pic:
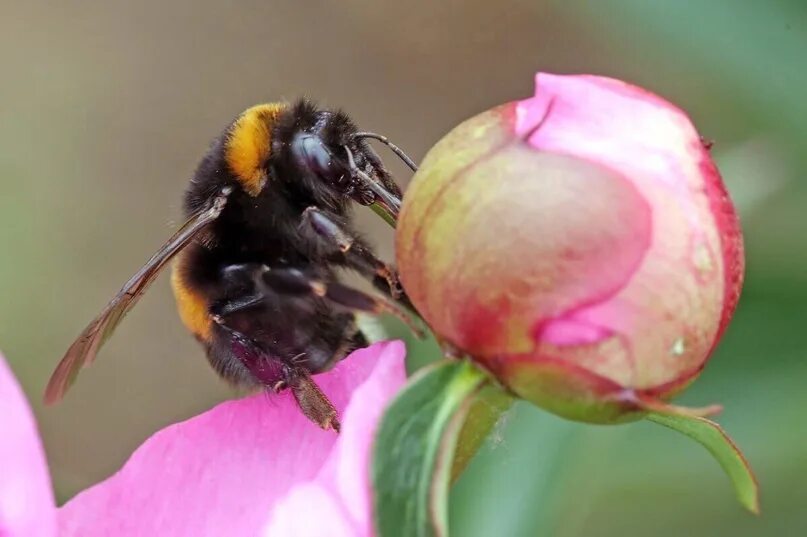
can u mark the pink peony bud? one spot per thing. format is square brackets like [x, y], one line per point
[579, 244]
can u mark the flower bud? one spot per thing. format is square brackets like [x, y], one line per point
[578, 244]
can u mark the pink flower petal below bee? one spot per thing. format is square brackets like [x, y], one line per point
[246, 467]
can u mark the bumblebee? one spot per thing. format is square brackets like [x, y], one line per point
[255, 264]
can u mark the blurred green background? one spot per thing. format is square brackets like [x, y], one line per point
[105, 108]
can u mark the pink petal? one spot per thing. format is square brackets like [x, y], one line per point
[26, 500]
[294, 515]
[570, 331]
[341, 491]
[220, 473]
[695, 245]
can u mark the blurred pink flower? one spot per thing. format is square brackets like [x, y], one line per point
[26, 499]
[247, 467]
[579, 243]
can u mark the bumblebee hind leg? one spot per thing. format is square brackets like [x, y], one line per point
[277, 375]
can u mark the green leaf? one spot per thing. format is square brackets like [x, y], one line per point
[486, 410]
[414, 449]
[711, 436]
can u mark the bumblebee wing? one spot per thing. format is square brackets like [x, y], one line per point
[83, 350]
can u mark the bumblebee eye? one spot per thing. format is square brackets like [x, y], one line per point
[311, 153]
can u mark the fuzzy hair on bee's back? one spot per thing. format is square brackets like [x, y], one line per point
[305, 115]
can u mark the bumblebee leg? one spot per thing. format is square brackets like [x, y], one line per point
[296, 283]
[312, 401]
[224, 309]
[356, 254]
[241, 289]
[251, 307]
[278, 375]
[265, 367]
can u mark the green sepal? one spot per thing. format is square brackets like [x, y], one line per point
[414, 449]
[711, 436]
[487, 408]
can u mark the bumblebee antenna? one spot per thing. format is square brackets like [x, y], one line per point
[394, 148]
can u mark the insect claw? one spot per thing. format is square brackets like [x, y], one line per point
[279, 386]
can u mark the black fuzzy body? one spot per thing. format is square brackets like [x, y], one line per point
[266, 230]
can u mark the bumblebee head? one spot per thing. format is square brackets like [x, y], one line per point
[320, 153]
[316, 156]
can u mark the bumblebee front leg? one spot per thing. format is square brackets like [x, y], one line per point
[294, 282]
[356, 254]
